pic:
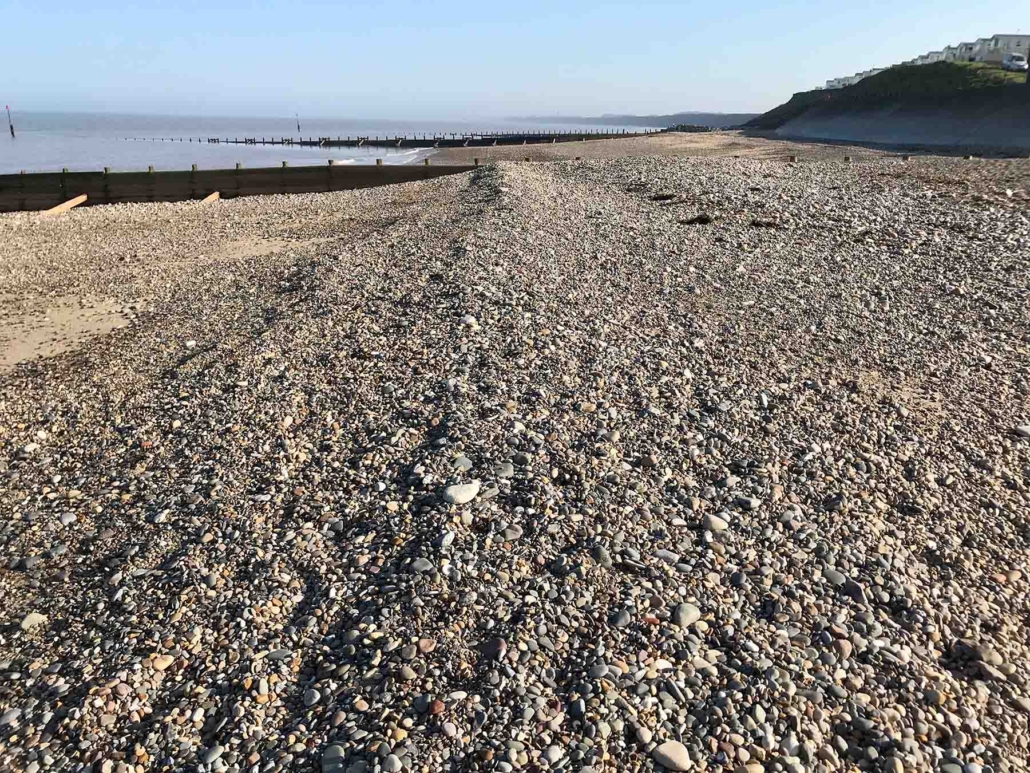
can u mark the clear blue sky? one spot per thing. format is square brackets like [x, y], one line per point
[466, 59]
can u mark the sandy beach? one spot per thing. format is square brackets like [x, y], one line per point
[679, 457]
[673, 144]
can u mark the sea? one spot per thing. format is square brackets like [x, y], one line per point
[79, 142]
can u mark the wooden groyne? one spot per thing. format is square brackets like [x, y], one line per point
[453, 140]
[29, 192]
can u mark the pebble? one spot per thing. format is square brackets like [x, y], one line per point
[715, 523]
[672, 755]
[685, 615]
[213, 754]
[622, 618]
[462, 493]
[834, 577]
[162, 662]
[333, 758]
[422, 565]
[32, 620]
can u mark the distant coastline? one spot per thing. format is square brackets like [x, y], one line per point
[715, 120]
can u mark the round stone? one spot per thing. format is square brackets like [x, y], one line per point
[672, 755]
[461, 493]
[714, 523]
[685, 615]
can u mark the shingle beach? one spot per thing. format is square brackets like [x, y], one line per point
[651, 463]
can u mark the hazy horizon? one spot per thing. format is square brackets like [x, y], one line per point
[459, 61]
[355, 119]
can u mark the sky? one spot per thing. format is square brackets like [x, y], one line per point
[406, 59]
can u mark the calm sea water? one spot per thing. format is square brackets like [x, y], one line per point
[48, 142]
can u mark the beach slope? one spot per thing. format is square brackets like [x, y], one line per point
[706, 463]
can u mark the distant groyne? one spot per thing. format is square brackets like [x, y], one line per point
[414, 141]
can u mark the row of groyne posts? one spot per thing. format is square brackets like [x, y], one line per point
[451, 140]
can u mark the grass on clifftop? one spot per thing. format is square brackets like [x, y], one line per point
[935, 79]
[904, 80]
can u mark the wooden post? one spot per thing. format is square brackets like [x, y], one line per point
[66, 205]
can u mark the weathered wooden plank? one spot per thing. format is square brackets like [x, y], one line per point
[70, 204]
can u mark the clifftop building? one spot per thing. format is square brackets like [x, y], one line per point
[992, 49]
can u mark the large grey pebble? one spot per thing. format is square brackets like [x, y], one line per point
[685, 615]
[461, 493]
[672, 755]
